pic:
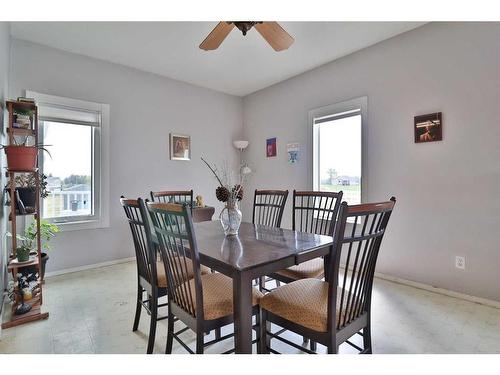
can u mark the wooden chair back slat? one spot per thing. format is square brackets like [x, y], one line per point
[358, 234]
[173, 234]
[268, 207]
[146, 256]
[315, 211]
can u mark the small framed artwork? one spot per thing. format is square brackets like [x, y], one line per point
[271, 147]
[429, 128]
[293, 152]
[180, 147]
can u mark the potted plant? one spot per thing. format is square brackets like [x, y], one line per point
[47, 231]
[21, 157]
[26, 189]
[22, 251]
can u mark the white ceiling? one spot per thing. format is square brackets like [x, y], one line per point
[240, 66]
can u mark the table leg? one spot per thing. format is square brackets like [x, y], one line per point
[242, 305]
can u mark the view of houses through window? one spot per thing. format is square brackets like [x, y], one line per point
[68, 170]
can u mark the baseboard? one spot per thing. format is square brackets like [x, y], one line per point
[446, 292]
[88, 267]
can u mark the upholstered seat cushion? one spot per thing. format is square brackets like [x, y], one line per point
[218, 295]
[162, 277]
[312, 269]
[303, 302]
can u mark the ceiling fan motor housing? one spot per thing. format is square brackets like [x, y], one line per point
[244, 26]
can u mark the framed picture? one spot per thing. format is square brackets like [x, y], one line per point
[293, 152]
[429, 128]
[180, 147]
[270, 147]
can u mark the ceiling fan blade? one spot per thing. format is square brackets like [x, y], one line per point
[216, 36]
[275, 35]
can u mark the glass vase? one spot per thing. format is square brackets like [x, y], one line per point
[230, 218]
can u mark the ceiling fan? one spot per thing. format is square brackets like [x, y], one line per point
[272, 32]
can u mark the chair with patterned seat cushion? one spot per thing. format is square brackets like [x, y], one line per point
[268, 207]
[330, 312]
[203, 303]
[303, 302]
[313, 212]
[162, 276]
[151, 277]
[149, 270]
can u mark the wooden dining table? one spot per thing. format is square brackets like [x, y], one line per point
[256, 251]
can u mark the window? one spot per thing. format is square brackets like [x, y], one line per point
[337, 148]
[74, 132]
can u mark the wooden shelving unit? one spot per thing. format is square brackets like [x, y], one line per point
[13, 266]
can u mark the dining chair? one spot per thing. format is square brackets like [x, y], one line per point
[313, 212]
[179, 197]
[331, 312]
[203, 303]
[151, 278]
[268, 207]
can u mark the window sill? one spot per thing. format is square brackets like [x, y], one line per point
[81, 225]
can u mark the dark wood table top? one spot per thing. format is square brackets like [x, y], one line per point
[256, 245]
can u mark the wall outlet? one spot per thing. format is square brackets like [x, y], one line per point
[460, 262]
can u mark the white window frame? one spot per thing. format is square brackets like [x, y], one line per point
[360, 104]
[100, 219]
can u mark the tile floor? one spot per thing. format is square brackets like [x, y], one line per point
[92, 312]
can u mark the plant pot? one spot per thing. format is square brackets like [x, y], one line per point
[33, 269]
[45, 258]
[21, 158]
[23, 254]
[27, 196]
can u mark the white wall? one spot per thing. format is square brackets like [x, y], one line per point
[145, 108]
[448, 192]
[4, 84]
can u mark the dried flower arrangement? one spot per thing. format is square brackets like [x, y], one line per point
[228, 191]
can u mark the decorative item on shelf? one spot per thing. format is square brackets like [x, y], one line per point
[271, 148]
[22, 118]
[229, 193]
[22, 290]
[242, 145]
[180, 147]
[23, 99]
[199, 201]
[27, 294]
[293, 150]
[428, 128]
